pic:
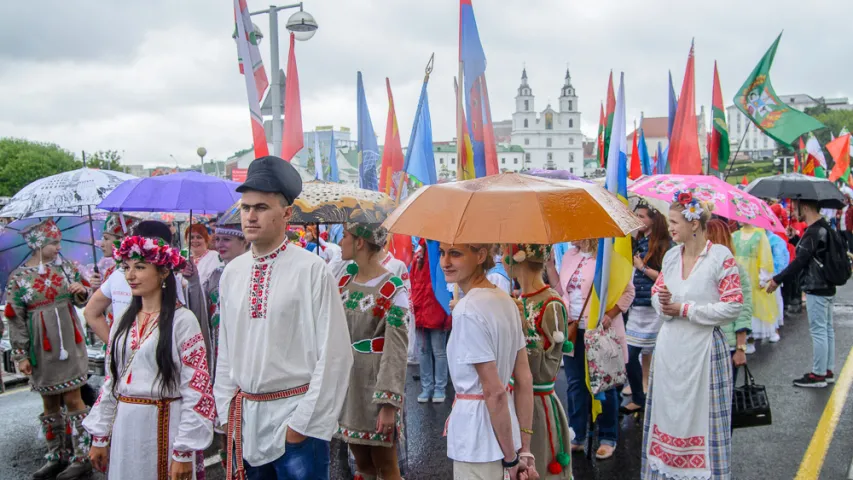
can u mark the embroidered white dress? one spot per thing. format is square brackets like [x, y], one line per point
[282, 325]
[687, 432]
[206, 265]
[143, 437]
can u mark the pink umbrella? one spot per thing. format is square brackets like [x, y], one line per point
[728, 200]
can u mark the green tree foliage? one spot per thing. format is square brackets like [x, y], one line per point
[22, 162]
[105, 160]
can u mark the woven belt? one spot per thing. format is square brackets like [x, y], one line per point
[235, 425]
[539, 389]
[464, 396]
[162, 429]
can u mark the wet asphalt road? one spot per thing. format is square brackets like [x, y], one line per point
[773, 452]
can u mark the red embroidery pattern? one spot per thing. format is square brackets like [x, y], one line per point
[678, 452]
[260, 282]
[100, 441]
[729, 263]
[659, 283]
[730, 289]
[188, 344]
[47, 285]
[200, 381]
[197, 359]
[183, 456]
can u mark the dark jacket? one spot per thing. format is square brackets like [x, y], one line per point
[642, 283]
[811, 249]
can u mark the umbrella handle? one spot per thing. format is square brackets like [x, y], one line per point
[92, 236]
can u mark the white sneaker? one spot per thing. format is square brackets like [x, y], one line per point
[750, 348]
[774, 337]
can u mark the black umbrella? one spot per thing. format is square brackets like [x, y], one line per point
[797, 186]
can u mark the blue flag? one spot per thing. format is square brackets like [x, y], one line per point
[660, 162]
[368, 149]
[420, 161]
[334, 175]
[645, 161]
[673, 107]
[439, 284]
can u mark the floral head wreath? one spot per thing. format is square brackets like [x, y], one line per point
[149, 250]
[692, 208]
[372, 232]
[531, 252]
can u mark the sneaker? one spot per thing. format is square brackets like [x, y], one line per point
[774, 337]
[423, 397]
[438, 397]
[750, 348]
[810, 380]
[830, 377]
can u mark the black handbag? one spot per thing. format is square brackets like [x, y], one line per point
[750, 405]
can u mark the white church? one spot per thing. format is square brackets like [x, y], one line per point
[551, 139]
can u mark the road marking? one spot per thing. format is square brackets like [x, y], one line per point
[15, 390]
[816, 453]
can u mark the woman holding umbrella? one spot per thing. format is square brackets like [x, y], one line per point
[204, 260]
[48, 345]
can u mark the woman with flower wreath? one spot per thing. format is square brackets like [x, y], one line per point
[377, 309]
[687, 428]
[156, 407]
[48, 345]
[549, 335]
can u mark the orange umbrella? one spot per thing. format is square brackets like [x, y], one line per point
[512, 208]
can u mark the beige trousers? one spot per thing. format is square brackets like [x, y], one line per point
[478, 471]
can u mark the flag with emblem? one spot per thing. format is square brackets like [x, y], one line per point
[250, 60]
[815, 164]
[719, 145]
[839, 149]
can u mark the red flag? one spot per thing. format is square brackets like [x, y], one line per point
[684, 156]
[840, 151]
[392, 155]
[611, 110]
[292, 135]
[744, 181]
[602, 124]
[249, 57]
[636, 170]
[655, 163]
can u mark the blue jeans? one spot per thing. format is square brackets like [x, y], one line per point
[579, 400]
[308, 460]
[635, 375]
[823, 333]
[433, 360]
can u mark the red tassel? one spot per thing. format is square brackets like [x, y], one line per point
[45, 342]
[555, 468]
[129, 376]
[49, 435]
[77, 337]
[68, 428]
[9, 312]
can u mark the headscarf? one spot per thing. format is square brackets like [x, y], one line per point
[780, 213]
[39, 235]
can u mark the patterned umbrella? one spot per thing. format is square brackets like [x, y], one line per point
[76, 244]
[332, 203]
[65, 194]
[728, 200]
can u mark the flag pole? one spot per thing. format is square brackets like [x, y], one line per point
[91, 233]
[427, 72]
[734, 159]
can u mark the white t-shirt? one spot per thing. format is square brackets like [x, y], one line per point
[500, 281]
[118, 291]
[486, 328]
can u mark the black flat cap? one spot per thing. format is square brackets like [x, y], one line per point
[274, 175]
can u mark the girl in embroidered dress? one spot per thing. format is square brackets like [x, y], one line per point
[377, 308]
[687, 429]
[156, 407]
[47, 343]
[549, 335]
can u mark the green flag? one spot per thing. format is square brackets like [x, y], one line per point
[759, 102]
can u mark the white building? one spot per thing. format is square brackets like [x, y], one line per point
[550, 139]
[756, 145]
[510, 158]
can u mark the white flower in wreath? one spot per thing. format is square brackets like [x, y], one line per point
[150, 244]
[693, 212]
[520, 256]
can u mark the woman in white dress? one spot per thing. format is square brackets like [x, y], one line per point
[687, 430]
[156, 407]
[204, 259]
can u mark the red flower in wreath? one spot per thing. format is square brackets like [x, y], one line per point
[47, 285]
[382, 304]
[684, 198]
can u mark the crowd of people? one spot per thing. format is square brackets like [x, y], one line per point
[271, 341]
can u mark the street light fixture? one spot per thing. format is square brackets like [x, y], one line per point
[303, 26]
[201, 152]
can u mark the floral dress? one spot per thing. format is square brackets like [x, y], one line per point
[44, 327]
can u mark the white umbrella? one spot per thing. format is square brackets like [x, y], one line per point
[65, 194]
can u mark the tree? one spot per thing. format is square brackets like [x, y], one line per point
[22, 162]
[105, 160]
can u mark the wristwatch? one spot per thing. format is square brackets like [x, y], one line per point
[511, 464]
[742, 348]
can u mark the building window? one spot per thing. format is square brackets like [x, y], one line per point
[571, 123]
[570, 105]
[738, 124]
[571, 141]
[766, 142]
[747, 144]
[515, 161]
[526, 157]
[527, 141]
[572, 170]
[571, 156]
[550, 156]
[527, 105]
[548, 142]
[441, 161]
[549, 121]
[503, 160]
[453, 160]
[525, 123]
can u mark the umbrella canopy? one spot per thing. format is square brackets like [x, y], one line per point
[76, 244]
[728, 200]
[64, 194]
[179, 192]
[635, 200]
[798, 187]
[512, 208]
[331, 203]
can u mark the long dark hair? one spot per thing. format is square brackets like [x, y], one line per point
[167, 371]
[658, 235]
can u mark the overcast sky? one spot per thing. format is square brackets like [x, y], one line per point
[157, 78]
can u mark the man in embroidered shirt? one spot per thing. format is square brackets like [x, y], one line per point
[284, 347]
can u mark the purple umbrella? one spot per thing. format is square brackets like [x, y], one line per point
[179, 192]
[555, 174]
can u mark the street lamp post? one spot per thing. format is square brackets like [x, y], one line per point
[303, 26]
[201, 152]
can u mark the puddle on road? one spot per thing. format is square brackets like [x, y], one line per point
[842, 315]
